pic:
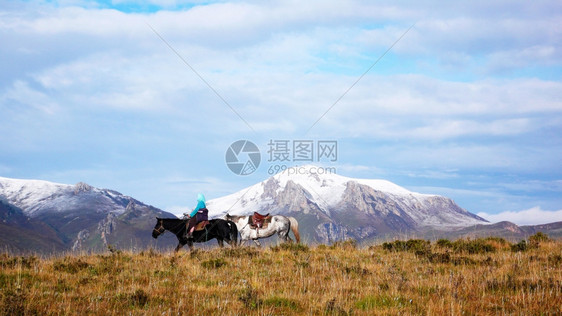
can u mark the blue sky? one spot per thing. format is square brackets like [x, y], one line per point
[468, 104]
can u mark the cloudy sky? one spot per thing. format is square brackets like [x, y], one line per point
[462, 100]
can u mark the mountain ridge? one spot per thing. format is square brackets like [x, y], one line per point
[74, 217]
[340, 207]
[42, 217]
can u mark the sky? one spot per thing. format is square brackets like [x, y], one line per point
[461, 99]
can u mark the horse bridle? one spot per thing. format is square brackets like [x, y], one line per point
[160, 229]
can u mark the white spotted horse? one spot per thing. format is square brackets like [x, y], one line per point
[259, 226]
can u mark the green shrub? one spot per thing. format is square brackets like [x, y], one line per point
[419, 246]
[291, 247]
[498, 240]
[439, 257]
[281, 302]
[70, 265]
[555, 260]
[444, 243]
[475, 246]
[139, 298]
[249, 297]
[381, 301]
[13, 302]
[356, 269]
[240, 252]
[347, 244]
[463, 261]
[536, 239]
[213, 263]
[397, 245]
[332, 308]
[520, 246]
[7, 261]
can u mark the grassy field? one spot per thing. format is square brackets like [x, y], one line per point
[466, 277]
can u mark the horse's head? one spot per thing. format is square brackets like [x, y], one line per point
[232, 218]
[158, 228]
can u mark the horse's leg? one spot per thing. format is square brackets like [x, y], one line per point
[181, 243]
[284, 235]
[257, 242]
[178, 247]
[190, 244]
[221, 243]
[229, 241]
[244, 236]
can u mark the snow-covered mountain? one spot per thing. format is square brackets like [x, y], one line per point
[46, 217]
[333, 207]
[76, 217]
[37, 197]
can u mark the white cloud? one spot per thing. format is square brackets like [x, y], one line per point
[86, 80]
[28, 99]
[279, 80]
[532, 216]
[178, 210]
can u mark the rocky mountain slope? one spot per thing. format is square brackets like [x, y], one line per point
[45, 217]
[507, 230]
[331, 207]
[52, 217]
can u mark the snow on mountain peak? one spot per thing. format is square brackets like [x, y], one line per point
[29, 192]
[35, 197]
[325, 180]
[325, 187]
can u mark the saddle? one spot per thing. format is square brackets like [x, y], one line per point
[202, 219]
[201, 225]
[259, 221]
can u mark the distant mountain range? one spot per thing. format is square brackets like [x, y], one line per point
[330, 207]
[48, 217]
[45, 217]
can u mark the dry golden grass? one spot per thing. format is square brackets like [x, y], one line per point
[287, 280]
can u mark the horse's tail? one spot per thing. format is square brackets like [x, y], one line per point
[295, 228]
[233, 232]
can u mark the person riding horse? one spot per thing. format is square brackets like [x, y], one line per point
[199, 214]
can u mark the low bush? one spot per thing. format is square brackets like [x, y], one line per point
[537, 239]
[520, 246]
[476, 246]
[291, 247]
[347, 244]
[277, 301]
[213, 263]
[444, 243]
[419, 246]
